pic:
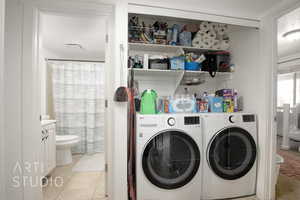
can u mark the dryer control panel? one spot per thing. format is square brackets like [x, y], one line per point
[248, 118]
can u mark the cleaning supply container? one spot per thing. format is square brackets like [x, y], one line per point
[192, 66]
[148, 102]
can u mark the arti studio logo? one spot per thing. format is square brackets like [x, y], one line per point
[30, 174]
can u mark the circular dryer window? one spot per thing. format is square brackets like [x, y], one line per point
[232, 153]
[171, 159]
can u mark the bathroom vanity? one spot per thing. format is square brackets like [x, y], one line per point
[48, 146]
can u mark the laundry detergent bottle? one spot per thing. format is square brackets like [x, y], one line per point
[148, 102]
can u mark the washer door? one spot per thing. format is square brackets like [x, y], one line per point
[171, 159]
[232, 153]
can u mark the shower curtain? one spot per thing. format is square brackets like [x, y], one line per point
[78, 99]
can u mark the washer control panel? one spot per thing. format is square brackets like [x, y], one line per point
[171, 121]
[191, 120]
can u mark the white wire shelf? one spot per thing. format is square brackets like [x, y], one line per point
[165, 48]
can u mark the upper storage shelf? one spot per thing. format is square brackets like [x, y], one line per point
[157, 74]
[167, 48]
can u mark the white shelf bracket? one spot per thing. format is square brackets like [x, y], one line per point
[178, 81]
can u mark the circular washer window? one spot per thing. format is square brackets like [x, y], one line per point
[232, 153]
[171, 159]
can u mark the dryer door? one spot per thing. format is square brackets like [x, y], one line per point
[171, 159]
[232, 153]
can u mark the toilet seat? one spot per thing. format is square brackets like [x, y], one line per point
[66, 139]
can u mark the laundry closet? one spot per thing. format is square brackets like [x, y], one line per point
[240, 47]
[202, 72]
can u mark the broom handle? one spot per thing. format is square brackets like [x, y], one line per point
[122, 62]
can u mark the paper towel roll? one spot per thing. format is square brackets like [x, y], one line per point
[222, 29]
[206, 45]
[199, 43]
[216, 45]
[214, 26]
[211, 34]
[211, 43]
[225, 44]
[200, 34]
[196, 42]
[204, 26]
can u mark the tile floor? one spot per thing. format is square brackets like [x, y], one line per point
[80, 185]
[74, 185]
[91, 185]
[288, 188]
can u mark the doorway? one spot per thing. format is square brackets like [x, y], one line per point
[288, 107]
[72, 72]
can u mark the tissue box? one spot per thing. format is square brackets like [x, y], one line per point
[177, 63]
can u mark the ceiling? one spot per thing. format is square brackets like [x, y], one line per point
[89, 32]
[252, 9]
[288, 46]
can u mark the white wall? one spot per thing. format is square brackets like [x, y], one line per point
[12, 94]
[2, 148]
[245, 56]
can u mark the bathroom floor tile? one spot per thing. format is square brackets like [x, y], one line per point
[51, 192]
[99, 192]
[83, 180]
[76, 185]
[76, 194]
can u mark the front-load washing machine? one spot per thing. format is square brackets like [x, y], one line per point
[168, 157]
[230, 147]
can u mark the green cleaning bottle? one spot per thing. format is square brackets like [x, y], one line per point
[148, 102]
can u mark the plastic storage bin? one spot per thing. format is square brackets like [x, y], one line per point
[192, 66]
[162, 64]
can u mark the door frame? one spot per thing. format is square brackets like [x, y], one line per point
[31, 75]
[269, 41]
[2, 147]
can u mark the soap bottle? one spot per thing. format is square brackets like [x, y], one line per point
[205, 100]
[235, 100]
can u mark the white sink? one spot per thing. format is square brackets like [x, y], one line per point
[47, 122]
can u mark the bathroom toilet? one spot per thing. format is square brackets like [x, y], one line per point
[63, 148]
